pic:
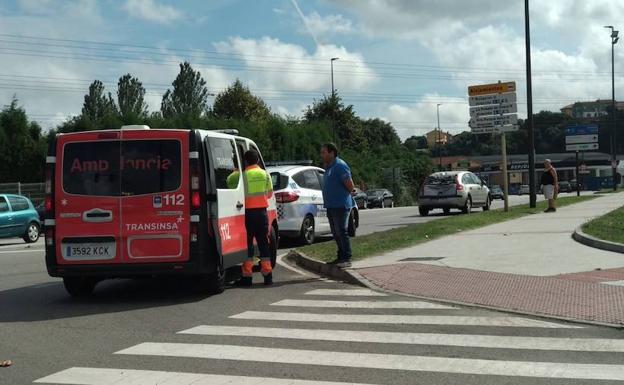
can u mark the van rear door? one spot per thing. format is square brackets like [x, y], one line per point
[155, 196]
[87, 198]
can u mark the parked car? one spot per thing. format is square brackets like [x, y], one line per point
[381, 198]
[18, 218]
[565, 186]
[496, 192]
[453, 189]
[524, 189]
[360, 198]
[300, 211]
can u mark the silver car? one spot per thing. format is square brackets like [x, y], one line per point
[453, 189]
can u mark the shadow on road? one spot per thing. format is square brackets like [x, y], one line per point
[49, 301]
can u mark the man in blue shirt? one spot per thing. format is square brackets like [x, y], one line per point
[337, 189]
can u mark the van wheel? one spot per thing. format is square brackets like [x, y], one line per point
[423, 211]
[307, 231]
[446, 211]
[467, 209]
[32, 233]
[79, 287]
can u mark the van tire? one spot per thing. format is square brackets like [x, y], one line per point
[307, 235]
[423, 211]
[32, 233]
[214, 283]
[79, 287]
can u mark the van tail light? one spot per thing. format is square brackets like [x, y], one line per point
[48, 205]
[195, 200]
[286, 197]
[49, 236]
[194, 233]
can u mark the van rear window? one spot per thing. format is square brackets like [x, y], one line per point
[113, 168]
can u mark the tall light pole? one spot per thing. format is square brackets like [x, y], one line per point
[529, 122]
[332, 75]
[614, 40]
[439, 136]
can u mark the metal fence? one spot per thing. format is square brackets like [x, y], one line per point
[34, 191]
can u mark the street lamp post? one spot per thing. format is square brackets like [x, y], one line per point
[439, 136]
[333, 90]
[529, 122]
[614, 40]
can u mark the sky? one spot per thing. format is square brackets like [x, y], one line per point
[398, 59]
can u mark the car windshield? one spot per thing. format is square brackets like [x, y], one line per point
[440, 179]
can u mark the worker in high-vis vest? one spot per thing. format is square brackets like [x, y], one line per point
[258, 190]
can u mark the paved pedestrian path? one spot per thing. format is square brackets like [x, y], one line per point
[531, 265]
[361, 336]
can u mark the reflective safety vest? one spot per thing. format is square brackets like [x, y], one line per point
[258, 187]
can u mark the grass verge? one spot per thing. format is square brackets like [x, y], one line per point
[609, 227]
[384, 241]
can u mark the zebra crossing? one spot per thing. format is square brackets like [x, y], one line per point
[363, 330]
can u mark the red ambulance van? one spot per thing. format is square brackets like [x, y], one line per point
[146, 202]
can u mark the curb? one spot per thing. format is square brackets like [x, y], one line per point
[321, 268]
[352, 276]
[596, 243]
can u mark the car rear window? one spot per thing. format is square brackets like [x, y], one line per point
[114, 168]
[280, 181]
[440, 179]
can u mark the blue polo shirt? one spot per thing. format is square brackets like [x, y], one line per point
[335, 193]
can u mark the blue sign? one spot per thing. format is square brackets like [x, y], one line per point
[591, 129]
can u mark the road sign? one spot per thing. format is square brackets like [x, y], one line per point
[582, 147]
[494, 88]
[506, 108]
[591, 129]
[576, 139]
[484, 100]
[495, 120]
[494, 130]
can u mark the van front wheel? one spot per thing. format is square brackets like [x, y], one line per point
[79, 287]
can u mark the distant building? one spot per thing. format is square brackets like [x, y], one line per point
[436, 138]
[590, 110]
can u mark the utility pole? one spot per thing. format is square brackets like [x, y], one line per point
[333, 94]
[529, 122]
[614, 40]
[439, 136]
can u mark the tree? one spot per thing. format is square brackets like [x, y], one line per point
[96, 104]
[189, 96]
[378, 132]
[131, 99]
[414, 143]
[237, 102]
[346, 125]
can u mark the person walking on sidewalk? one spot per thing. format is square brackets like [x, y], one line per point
[550, 186]
[337, 189]
[258, 190]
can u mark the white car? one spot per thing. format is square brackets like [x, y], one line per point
[299, 197]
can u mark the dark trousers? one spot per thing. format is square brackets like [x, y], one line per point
[338, 222]
[257, 224]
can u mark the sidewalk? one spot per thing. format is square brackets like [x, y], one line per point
[531, 265]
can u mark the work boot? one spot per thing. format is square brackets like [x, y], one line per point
[243, 282]
[268, 279]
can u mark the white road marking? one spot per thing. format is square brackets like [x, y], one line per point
[614, 283]
[347, 292]
[21, 251]
[401, 319]
[381, 361]
[361, 304]
[467, 340]
[98, 376]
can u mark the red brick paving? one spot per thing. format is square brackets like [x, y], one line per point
[573, 296]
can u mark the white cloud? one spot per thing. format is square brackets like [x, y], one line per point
[275, 65]
[329, 24]
[151, 11]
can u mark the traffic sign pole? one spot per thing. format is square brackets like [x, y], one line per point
[578, 176]
[504, 167]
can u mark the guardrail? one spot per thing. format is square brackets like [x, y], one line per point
[34, 191]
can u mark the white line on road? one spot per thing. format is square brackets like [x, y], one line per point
[347, 292]
[401, 319]
[99, 376]
[467, 340]
[381, 361]
[21, 251]
[361, 304]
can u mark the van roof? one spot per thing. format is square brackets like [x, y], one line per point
[151, 131]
